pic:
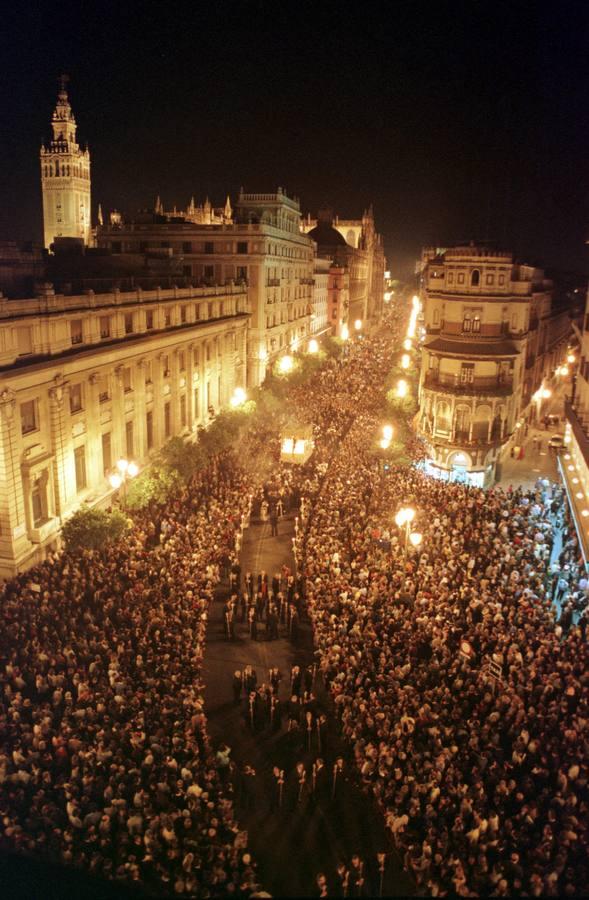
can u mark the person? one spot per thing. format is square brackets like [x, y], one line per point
[237, 687]
[274, 522]
[253, 624]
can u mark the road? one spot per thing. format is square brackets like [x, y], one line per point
[293, 844]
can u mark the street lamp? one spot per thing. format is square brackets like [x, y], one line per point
[404, 519]
[402, 388]
[126, 470]
[407, 345]
[405, 361]
[387, 432]
[571, 358]
[416, 538]
[239, 397]
[285, 364]
[345, 332]
[358, 324]
[313, 346]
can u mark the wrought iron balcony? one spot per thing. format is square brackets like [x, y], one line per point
[452, 384]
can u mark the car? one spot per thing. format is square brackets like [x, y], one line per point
[556, 441]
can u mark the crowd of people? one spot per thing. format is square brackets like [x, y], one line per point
[105, 761]
[465, 702]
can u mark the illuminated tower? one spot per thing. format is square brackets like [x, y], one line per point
[65, 177]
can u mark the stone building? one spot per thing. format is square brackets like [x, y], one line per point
[320, 320]
[262, 247]
[574, 463]
[354, 245]
[88, 379]
[492, 337]
[65, 178]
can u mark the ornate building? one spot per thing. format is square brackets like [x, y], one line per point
[354, 245]
[262, 247]
[65, 178]
[574, 463]
[492, 336]
[88, 379]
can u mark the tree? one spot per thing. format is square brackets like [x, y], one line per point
[92, 529]
[154, 485]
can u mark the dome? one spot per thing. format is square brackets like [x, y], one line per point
[325, 235]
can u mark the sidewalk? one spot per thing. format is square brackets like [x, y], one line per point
[537, 462]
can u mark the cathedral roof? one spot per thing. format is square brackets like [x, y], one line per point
[325, 235]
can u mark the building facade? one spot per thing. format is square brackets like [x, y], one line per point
[65, 178]
[355, 245]
[320, 320]
[492, 338]
[88, 379]
[262, 247]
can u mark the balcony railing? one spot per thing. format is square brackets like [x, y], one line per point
[580, 428]
[274, 282]
[490, 384]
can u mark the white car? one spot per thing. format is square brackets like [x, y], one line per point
[556, 442]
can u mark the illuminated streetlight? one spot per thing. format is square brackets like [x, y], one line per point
[416, 538]
[313, 346]
[239, 397]
[132, 470]
[571, 358]
[407, 345]
[546, 393]
[385, 443]
[115, 481]
[345, 332]
[405, 361]
[119, 479]
[404, 519]
[387, 296]
[122, 466]
[387, 431]
[358, 324]
[285, 364]
[402, 388]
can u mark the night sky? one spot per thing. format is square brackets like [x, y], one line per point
[456, 120]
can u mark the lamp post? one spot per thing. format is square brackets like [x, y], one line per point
[126, 470]
[404, 519]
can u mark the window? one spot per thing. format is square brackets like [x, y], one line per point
[80, 465]
[467, 373]
[436, 316]
[196, 312]
[461, 278]
[106, 454]
[182, 360]
[242, 246]
[168, 318]
[103, 391]
[149, 429]
[166, 365]
[489, 279]
[502, 279]
[76, 398]
[149, 320]
[129, 440]
[76, 331]
[476, 324]
[186, 246]
[127, 380]
[451, 278]
[128, 323]
[183, 411]
[196, 357]
[24, 340]
[39, 500]
[209, 247]
[167, 420]
[467, 323]
[104, 327]
[183, 314]
[241, 273]
[28, 416]
[209, 271]
[475, 278]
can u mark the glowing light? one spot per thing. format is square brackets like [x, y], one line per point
[571, 358]
[567, 456]
[579, 495]
[416, 538]
[387, 431]
[345, 332]
[405, 515]
[132, 470]
[407, 345]
[358, 324]
[575, 480]
[402, 388]
[564, 370]
[287, 445]
[416, 302]
[313, 346]
[385, 443]
[239, 397]
[122, 465]
[387, 296]
[546, 393]
[263, 354]
[405, 361]
[585, 512]
[571, 468]
[285, 364]
[115, 481]
[299, 447]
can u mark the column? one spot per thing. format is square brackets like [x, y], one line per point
[64, 488]
[139, 426]
[14, 543]
[94, 460]
[118, 442]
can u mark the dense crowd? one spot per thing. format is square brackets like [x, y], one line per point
[464, 698]
[105, 762]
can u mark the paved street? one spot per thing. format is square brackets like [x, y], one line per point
[293, 844]
[538, 460]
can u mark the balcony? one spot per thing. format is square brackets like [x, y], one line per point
[273, 282]
[580, 429]
[450, 383]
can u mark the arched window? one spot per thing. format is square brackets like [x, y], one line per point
[475, 278]
[56, 167]
[443, 417]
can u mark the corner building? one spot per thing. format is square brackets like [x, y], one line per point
[491, 337]
[262, 247]
[88, 379]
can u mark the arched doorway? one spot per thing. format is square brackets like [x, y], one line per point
[459, 465]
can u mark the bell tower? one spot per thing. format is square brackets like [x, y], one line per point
[65, 177]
